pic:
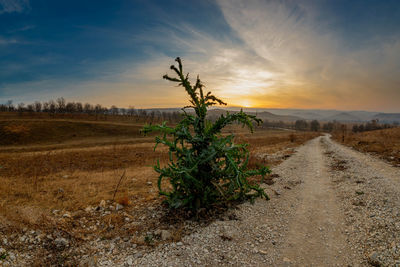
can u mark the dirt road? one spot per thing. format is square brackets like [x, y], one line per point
[330, 206]
[316, 235]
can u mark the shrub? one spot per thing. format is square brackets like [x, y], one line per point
[204, 166]
[292, 138]
[315, 126]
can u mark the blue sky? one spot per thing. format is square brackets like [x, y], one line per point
[289, 54]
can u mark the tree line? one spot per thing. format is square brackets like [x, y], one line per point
[314, 125]
[370, 126]
[61, 106]
[303, 125]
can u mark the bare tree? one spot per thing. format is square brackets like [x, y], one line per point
[52, 106]
[21, 108]
[79, 107]
[61, 104]
[37, 106]
[114, 110]
[10, 105]
[30, 108]
[328, 127]
[46, 107]
[131, 111]
[88, 108]
[301, 125]
[70, 107]
[315, 126]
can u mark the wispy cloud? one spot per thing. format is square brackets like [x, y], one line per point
[228, 67]
[11, 6]
[6, 41]
[22, 29]
[313, 62]
[284, 58]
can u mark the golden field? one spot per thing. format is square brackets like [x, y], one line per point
[382, 143]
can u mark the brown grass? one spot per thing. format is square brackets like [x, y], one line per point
[60, 116]
[69, 161]
[32, 131]
[384, 143]
[73, 178]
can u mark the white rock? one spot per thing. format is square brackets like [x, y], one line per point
[129, 261]
[102, 204]
[11, 256]
[157, 232]
[61, 242]
[165, 235]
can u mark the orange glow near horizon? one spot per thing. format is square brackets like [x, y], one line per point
[245, 103]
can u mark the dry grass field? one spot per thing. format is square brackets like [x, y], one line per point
[54, 173]
[383, 143]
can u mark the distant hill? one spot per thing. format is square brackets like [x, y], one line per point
[319, 114]
[364, 115]
[387, 117]
[273, 117]
[309, 115]
[163, 109]
[265, 116]
[289, 115]
[343, 116]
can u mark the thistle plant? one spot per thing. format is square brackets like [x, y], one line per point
[205, 167]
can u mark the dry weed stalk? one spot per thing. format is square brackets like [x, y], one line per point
[119, 182]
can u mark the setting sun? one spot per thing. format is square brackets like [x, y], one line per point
[245, 103]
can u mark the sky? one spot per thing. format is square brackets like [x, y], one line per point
[318, 54]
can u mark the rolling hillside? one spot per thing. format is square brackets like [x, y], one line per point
[265, 115]
[388, 117]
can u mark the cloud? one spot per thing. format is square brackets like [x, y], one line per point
[11, 6]
[227, 67]
[283, 59]
[316, 67]
[4, 41]
[22, 29]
